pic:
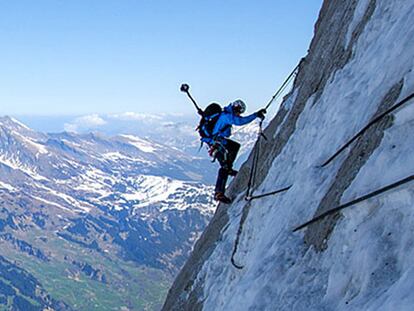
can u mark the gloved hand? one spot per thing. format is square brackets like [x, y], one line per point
[213, 150]
[261, 113]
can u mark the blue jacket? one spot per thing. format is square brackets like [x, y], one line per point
[227, 118]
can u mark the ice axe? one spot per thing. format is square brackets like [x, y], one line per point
[185, 88]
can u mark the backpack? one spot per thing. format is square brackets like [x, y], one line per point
[208, 120]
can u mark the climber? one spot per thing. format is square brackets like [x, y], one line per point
[214, 129]
[224, 149]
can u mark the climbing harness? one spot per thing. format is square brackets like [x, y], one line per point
[216, 149]
[375, 120]
[353, 202]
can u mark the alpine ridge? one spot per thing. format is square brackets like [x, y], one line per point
[81, 216]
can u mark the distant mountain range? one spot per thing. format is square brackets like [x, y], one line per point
[95, 222]
[174, 130]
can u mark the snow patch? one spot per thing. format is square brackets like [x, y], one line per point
[360, 10]
[7, 186]
[167, 193]
[20, 124]
[15, 164]
[52, 203]
[140, 144]
[81, 205]
[40, 148]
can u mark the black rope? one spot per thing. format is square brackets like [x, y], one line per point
[283, 86]
[256, 165]
[233, 261]
[256, 151]
[239, 232]
[379, 117]
[252, 170]
[253, 173]
[253, 197]
[353, 202]
[257, 161]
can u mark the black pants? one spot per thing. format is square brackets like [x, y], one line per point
[226, 157]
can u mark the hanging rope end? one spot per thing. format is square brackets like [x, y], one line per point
[236, 265]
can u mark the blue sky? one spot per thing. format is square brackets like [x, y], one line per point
[110, 56]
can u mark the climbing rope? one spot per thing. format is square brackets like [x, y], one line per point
[353, 202]
[283, 86]
[256, 152]
[253, 197]
[253, 171]
[255, 158]
[253, 168]
[375, 120]
[239, 232]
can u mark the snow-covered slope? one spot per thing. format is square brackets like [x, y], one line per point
[84, 173]
[360, 63]
[90, 208]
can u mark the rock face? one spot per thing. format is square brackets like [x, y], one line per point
[359, 64]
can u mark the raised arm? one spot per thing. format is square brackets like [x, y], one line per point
[239, 120]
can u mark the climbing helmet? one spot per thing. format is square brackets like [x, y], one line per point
[238, 106]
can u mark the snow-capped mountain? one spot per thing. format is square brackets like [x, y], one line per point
[341, 147]
[87, 207]
[175, 131]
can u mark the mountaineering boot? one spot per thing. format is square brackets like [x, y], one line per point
[232, 172]
[219, 196]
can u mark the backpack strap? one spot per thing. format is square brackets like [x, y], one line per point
[206, 120]
[210, 117]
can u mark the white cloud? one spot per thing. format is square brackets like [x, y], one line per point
[135, 116]
[83, 123]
